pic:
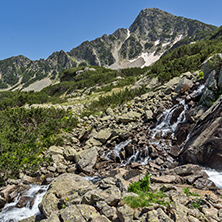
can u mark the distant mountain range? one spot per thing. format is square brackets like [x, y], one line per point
[152, 34]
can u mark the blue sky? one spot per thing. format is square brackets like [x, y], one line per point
[37, 28]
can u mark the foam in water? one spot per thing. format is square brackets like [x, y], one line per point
[11, 213]
[215, 176]
[163, 126]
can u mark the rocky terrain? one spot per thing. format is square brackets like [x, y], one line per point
[152, 34]
[170, 133]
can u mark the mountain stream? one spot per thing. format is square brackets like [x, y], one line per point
[12, 213]
[161, 135]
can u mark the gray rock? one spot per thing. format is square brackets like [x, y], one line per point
[211, 82]
[219, 84]
[205, 142]
[60, 188]
[103, 135]
[78, 213]
[184, 85]
[93, 142]
[87, 159]
[54, 150]
[111, 196]
[106, 210]
[129, 117]
[61, 168]
[171, 85]
[207, 97]
[69, 153]
[125, 213]
[207, 65]
[149, 114]
[101, 218]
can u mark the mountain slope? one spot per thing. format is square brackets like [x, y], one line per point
[152, 33]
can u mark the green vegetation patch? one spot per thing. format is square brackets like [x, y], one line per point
[145, 196]
[25, 133]
[112, 100]
[189, 193]
[185, 58]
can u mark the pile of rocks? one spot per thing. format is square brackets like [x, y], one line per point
[73, 198]
[70, 197]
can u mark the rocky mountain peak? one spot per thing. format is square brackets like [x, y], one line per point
[152, 33]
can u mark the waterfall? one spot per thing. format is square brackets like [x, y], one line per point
[163, 128]
[11, 213]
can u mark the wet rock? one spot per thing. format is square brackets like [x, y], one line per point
[174, 151]
[6, 193]
[176, 114]
[2, 202]
[24, 201]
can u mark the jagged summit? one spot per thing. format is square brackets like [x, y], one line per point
[152, 33]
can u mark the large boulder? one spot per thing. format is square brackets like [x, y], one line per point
[204, 145]
[210, 64]
[87, 159]
[184, 85]
[129, 117]
[103, 135]
[78, 213]
[62, 187]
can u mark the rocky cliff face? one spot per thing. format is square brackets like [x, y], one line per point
[151, 34]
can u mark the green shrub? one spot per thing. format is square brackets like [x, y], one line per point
[145, 196]
[114, 99]
[189, 193]
[143, 185]
[25, 133]
[186, 58]
[200, 75]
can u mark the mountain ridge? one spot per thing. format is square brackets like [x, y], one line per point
[151, 34]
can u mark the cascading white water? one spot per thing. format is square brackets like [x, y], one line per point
[11, 213]
[161, 136]
[117, 149]
[215, 176]
[162, 128]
